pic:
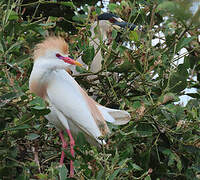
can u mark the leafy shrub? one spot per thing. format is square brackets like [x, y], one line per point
[161, 141]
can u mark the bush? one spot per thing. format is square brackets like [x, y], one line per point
[161, 141]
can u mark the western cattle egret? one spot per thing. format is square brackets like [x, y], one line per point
[71, 108]
[105, 22]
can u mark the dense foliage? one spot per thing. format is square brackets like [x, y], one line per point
[162, 141]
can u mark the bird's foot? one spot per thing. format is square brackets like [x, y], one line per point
[64, 146]
[72, 143]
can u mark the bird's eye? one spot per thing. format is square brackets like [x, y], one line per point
[112, 20]
[58, 55]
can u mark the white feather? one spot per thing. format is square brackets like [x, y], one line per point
[114, 116]
[64, 94]
[105, 114]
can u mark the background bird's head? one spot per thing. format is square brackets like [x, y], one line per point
[108, 21]
[55, 49]
[116, 21]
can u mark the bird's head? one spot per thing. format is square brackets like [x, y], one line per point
[55, 49]
[116, 21]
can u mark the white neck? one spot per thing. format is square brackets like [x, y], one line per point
[103, 28]
[41, 74]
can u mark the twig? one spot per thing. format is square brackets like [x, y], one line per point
[10, 128]
[87, 74]
[36, 158]
[150, 37]
[115, 94]
[18, 162]
[33, 16]
[41, 2]
[49, 159]
[170, 71]
[179, 37]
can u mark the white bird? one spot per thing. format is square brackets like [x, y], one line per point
[105, 23]
[71, 108]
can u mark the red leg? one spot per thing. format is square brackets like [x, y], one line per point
[72, 143]
[64, 145]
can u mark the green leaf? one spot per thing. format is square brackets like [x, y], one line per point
[167, 98]
[37, 103]
[194, 95]
[98, 10]
[24, 126]
[40, 112]
[124, 67]
[1, 48]
[145, 130]
[115, 159]
[88, 55]
[32, 136]
[114, 34]
[100, 174]
[2, 44]
[136, 104]
[47, 24]
[6, 98]
[13, 16]
[136, 167]
[172, 158]
[147, 177]
[114, 175]
[179, 164]
[42, 176]
[39, 107]
[170, 39]
[80, 18]
[81, 69]
[133, 35]
[62, 172]
[138, 65]
[112, 7]
[80, 139]
[178, 80]
[69, 4]
[13, 47]
[184, 42]
[85, 9]
[167, 5]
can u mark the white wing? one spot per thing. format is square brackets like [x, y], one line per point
[114, 116]
[53, 119]
[64, 95]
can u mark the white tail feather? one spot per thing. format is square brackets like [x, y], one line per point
[114, 116]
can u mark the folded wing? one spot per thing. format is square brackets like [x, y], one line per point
[69, 99]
